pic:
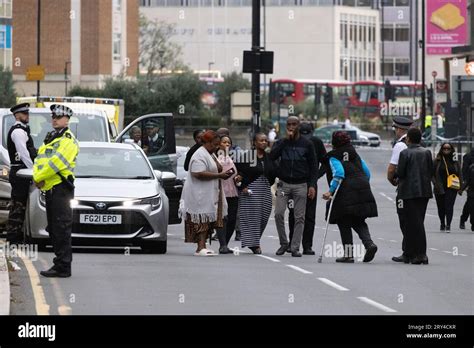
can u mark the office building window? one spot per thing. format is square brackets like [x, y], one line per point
[387, 33]
[6, 8]
[117, 46]
[402, 68]
[402, 33]
[117, 5]
[402, 3]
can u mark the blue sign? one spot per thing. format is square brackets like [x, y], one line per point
[5, 36]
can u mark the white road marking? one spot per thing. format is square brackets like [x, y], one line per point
[389, 198]
[380, 238]
[64, 310]
[462, 255]
[300, 269]
[42, 308]
[377, 305]
[332, 284]
[434, 249]
[393, 241]
[447, 252]
[269, 258]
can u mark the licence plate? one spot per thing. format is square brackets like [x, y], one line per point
[100, 219]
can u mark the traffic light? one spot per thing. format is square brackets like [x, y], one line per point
[328, 98]
[430, 97]
[317, 94]
[389, 95]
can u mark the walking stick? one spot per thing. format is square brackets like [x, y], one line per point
[320, 258]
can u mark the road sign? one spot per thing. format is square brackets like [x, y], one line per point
[434, 73]
[35, 73]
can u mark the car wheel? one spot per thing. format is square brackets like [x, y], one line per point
[154, 247]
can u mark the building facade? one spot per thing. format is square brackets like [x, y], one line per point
[312, 39]
[83, 42]
[6, 33]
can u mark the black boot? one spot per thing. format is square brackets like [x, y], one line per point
[371, 249]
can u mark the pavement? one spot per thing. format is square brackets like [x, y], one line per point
[119, 281]
[4, 282]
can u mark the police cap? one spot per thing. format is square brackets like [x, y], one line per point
[402, 122]
[150, 124]
[61, 110]
[23, 107]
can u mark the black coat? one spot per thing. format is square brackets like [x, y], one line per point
[415, 169]
[354, 198]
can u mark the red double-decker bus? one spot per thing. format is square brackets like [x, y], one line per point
[368, 96]
[294, 91]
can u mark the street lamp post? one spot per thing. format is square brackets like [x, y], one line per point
[423, 66]
[38, 45]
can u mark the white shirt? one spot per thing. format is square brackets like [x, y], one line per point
[19, 138]
[272, 135]
[399, 147]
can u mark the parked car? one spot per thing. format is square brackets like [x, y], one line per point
[119, 200]
[359, 137]
[181, 152]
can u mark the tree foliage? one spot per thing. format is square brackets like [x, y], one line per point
[232, 83]
[7, 91]
[157, 51]
[179, 94]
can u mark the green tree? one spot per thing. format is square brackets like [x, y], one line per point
[157, 51]
[232, 83]
[7, 91]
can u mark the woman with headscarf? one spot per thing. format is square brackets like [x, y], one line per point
[203, 204]
[445, 164]
[255, 199]
[354, 201]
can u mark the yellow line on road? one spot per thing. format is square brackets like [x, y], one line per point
[63, 309]
[42, 308]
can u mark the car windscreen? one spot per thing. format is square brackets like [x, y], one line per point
[112, 163]
[85, 127]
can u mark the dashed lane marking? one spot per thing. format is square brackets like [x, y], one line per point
[377, 305]
[299, 269]
[269, 258]
[332, 284]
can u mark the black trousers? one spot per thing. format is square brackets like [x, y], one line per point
[359, 225]
[225, 234]
[309, 222]
[445, 205]
[470, 211]
[414, 211]
[17, 206]
[465, 211]
[402, 221]
[59, 215]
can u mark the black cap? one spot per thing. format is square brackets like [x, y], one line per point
[61, 110]
[402, 122]
[23, 107]
[151, 124]
[306, 128]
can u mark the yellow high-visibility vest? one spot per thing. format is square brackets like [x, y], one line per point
[428, 119]
[58, 156]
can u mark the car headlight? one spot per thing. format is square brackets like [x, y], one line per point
[4, 173]
[155, 202]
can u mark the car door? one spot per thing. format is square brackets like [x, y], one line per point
[155, 134]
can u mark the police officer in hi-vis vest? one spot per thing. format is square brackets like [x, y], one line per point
[53, 173]
[22, 154]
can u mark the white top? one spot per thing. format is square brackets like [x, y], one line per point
[399, 147]
[200, 197]
[272, 135]
[20, 138]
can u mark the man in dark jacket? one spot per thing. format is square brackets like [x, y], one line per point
[297, 167]
[306, 130]
[468, 183]
[467, 160]
[414, 170]
[197, 139]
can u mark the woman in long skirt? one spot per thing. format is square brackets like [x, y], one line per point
[255, 199]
